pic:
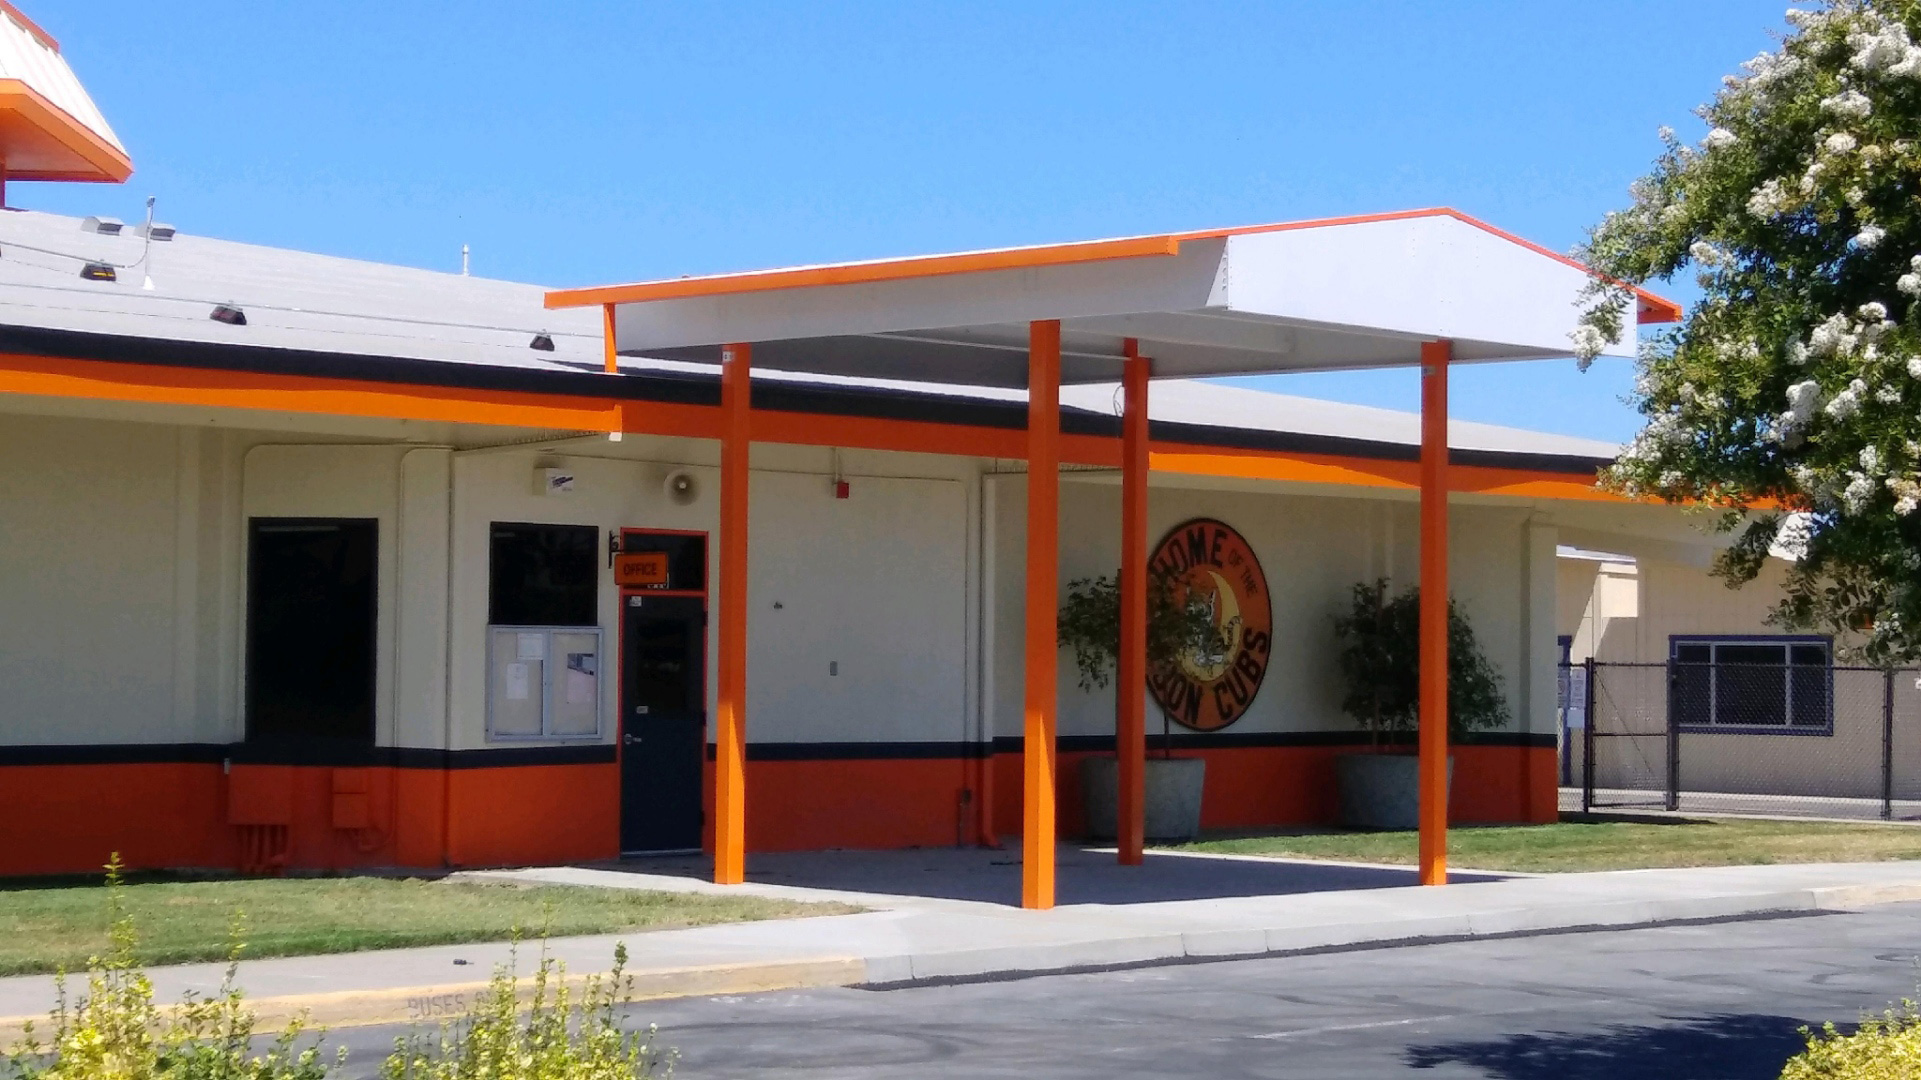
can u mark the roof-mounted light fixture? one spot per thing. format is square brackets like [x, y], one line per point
[105, 226]
[98, 271]
[154, 230]
[229, 314]
[541, 343]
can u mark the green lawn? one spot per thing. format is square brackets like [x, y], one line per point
[45, 927]
[1602, 845]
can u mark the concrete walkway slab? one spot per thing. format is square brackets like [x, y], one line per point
[928, 924]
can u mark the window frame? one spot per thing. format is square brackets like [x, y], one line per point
[548, 689]
[1786, 642]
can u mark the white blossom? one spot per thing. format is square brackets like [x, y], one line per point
[1909, 283]
[1849, 103]
[1858, 493]
[1719, 138]
[1798, 353]
[1869, 236]
[1888, 394]
[1707, 254]
[1589, 342]
[1907, 494]
[1840, 143]
[1768, 200]
[1914, 367]
[1870, 458]
[1831, 336]
[1874, 311]
[1848, 402]
[1664, 133]
[1803, 398]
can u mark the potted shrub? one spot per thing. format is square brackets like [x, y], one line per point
[1380, 639]
[1178, 621]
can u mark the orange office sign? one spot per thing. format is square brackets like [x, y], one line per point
[1207, 689]
[641, 570]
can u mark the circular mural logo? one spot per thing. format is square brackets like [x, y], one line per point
[1208, 688]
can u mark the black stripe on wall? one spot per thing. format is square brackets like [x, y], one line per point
[331, 757]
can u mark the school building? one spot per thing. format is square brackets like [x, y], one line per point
[312, 563]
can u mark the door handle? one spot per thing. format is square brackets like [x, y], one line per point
[630, 740]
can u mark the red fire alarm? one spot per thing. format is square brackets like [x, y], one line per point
[840, 489]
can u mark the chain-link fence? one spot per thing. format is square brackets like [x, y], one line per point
[1742, 727]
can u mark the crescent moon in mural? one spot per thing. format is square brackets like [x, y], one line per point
[1208, 689]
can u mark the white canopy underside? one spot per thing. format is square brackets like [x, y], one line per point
[1325, 297]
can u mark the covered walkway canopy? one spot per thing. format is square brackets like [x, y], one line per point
[1427, 287]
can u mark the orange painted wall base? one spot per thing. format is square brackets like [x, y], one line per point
[61, 819]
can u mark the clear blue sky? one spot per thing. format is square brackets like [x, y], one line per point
[587, 143]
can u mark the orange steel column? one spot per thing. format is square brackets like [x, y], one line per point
[1130, 676]
[730, 751]
[1043, 586]
[1435, 356]
[609, 358]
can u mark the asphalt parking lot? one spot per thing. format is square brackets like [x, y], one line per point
[1702, 1002]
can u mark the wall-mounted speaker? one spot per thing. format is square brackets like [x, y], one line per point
[682, 487]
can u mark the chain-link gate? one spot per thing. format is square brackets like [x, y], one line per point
[1743, 726]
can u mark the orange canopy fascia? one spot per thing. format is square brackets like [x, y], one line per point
[1650, 308]
[40, 141]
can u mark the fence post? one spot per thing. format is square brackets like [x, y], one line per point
[1887, 744]
[1673, 801]
[1587, 738]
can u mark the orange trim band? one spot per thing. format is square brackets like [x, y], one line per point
[100, 380]
[920, 266]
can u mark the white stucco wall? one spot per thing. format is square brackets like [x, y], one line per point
[1313, 549]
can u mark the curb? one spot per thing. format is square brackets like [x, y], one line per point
[435, 1003]
[439, 1002]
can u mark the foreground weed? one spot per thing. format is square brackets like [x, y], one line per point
[562, 1035]
[115, 1031]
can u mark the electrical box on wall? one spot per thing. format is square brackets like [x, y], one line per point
[553, 481]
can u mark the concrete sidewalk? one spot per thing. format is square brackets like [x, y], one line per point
[907, 938]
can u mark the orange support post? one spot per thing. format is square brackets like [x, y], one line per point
[730, 737]
[609, 359]
[1043, 588]
[1130, 677]
[1435, 356]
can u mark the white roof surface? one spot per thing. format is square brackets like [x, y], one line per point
[317, 303]
[1300, 296]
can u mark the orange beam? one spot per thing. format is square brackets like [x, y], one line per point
[101, 380]
[610, 360]
[49, 144]
[1130, 677]
[730, 735]
[1435, 356]
[1038, 829]
[865, 273]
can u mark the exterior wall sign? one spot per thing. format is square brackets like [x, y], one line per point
[646, 569]
[1207, 690]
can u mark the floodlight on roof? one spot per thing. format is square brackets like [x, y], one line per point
[105, 226]
[98, 271]
[154, 230]
[541, 343]
[229, 314]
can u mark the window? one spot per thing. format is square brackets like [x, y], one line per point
[310, 630]
[543, 575]
[1781, 685]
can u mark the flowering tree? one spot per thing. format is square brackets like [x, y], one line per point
[1789, 400]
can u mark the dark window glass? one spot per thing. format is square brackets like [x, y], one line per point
[544, 575]
[1692, 695]
[1752, 684]
[686, 556]
[310, 630]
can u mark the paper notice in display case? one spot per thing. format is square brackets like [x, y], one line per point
[543, 682]
[576, 707]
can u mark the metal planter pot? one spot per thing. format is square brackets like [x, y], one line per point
[1173, 797]
[1382, 791]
